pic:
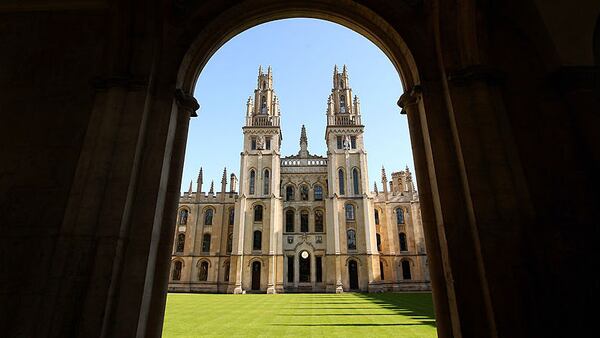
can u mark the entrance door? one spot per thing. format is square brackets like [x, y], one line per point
[353, 274]
[304, 267]
[256, 276]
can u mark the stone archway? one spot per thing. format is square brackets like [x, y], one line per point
[129, 165]
[200, 44]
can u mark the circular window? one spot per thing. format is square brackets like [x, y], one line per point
[304, 254]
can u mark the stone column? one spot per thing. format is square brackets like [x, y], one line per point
[409, 102]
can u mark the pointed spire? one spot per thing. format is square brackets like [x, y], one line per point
[303, 138]
[344, 70]
[303, 143]
[224, 182]
[212, 188]
[260, 70]
[375, 188]
[199, 185]
[269, 70]
[384, 181]
[335, 70]
[190, 191]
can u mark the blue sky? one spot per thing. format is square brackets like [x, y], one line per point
[302, 53]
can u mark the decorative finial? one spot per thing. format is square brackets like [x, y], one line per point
[190, 189]
[200, 176]
[335, 69]
[224, 178]
[260, 70]
[212, 187]
[375, 188]
[344, 69]
[303, 138]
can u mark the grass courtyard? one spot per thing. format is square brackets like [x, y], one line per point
[300, 315]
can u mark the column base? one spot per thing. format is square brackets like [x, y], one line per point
[271, 290]
[238, 290]
[339, 289]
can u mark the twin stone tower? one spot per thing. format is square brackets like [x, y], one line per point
[301, 223]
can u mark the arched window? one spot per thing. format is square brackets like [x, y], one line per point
[177, 270]
[304, 221]
[318, 193]
[351, 240]
[229, 242]
[203, 272]
[266, 181]
[355, 181]
[180, 242]
[258, 213]
[263, 105]
[403, 243]
[406, 270]
[379, 242]
[208, 216]
[231, 216]
[289, 221]
[303, 193]
[399, 216]
[257, 240]
[341, 182]
[289, 193]
[252, 181]
[342, 101]
[226, 272]
[183, 216]
[376, 217]
[349, 212]
[381, 270]
[318, 221]
[206, 243]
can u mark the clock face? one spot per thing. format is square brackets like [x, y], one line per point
[304, 254]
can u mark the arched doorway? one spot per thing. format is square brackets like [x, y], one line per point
[353, 274]
[304, 267]
[256, 276]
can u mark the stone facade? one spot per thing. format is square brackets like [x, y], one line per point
[301, 223]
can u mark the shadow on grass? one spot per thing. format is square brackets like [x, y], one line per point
[353, 324]
[406, 304]
[335, 314]
[416, 308]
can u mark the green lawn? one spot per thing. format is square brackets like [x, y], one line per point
[300, 315]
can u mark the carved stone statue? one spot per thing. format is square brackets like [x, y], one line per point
[260, 143]
[347, 142]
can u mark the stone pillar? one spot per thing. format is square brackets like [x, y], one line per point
[409, 102]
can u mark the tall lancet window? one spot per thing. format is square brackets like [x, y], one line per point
[180, 243]
[351, 240]
[183, 216]
[341, 182]
[342, 103]
[399, 216]
[263, 105]
[208, 217]
[177, 266]
[266, 180]
[252, 181]
[355, 181]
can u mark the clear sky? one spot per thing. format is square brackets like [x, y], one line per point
[302, 53]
